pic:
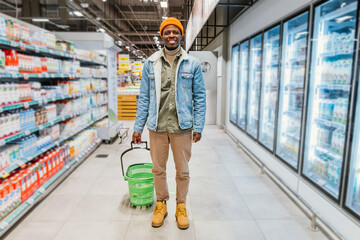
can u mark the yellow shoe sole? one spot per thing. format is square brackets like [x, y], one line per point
[181, 227]
[160, 224]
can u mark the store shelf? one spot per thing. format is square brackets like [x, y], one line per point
[330, 124]
[26, 76]
[337, 55]
[292, 135]
[46, 188]
[322, 183]
[46, 100]
[334, 87]
[293, 114]
[40, 50]
[336, 156]
[21, 162]
[48, 124]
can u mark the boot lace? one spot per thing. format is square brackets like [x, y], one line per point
[158, 208]
[182, 211]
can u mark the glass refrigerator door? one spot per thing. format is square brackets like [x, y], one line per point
[294, 45]
[269, 89]
[254, 86]
[329, 92]
[353, 186]
[243, 82]
[234, 83]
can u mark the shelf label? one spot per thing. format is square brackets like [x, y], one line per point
[41, 127]
[67, 166]
[14, 75]
[51, 51]
[13, 44]
[31, 201]
[2, 142]
[1, 109]
[37, 49]
[27, 132]
[41, 189]
[26, 105]
[57, 143]
[26, 76]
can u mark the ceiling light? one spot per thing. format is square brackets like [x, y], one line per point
[104, 0]
[163, 4]
[98, 18]
[84, 5]
[127, 47]
[163, 17]
[79, 14]
[119, 34]
[155, 38]
[101, 30]
[155, 1]
[158, 32]
[40, 20]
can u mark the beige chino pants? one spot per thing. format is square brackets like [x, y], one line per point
[159, 150]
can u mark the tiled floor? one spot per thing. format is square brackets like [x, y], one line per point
[228, 199]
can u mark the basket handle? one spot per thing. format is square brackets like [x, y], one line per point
[130, 149]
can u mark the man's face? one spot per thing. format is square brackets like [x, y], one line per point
[171, 36]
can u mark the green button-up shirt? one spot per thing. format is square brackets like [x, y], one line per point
[168, 120]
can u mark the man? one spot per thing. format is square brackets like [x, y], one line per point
[173, 103]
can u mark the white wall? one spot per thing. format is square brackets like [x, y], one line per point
[260, 16]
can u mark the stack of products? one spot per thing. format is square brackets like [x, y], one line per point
[8, 155]
[9, 124]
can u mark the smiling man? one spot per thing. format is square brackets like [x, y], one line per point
[173, 103]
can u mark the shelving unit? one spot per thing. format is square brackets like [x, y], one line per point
[89, 69]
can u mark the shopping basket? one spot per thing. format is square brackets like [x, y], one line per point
[140, 179]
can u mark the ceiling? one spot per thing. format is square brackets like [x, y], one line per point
[134, 24]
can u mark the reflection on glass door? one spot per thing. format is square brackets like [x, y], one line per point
[269, 89]
[234, 83]
[329, 92]
[254, 86]
[294, 45]
[243, 83]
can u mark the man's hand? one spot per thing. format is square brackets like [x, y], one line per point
[196, 137]
[136, 137]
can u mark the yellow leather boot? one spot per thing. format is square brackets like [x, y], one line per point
[160, 213]
[182, 216]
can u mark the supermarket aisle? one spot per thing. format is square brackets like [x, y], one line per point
[228, 199]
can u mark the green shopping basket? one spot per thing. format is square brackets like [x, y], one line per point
[140, 179]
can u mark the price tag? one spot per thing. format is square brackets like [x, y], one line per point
[5, 174]
[67, 166]
[31, 201]
[26, 76]
[57, 143]
[46, 75]
[41, 189]
[37, 49]
[13, 44]
[26, 105]
[22, 46]
[3, 225]
[51, 51]
[41, 127]
[27, 132]
[45, 100]
[1, 109]
[2, 142]
[14, 75]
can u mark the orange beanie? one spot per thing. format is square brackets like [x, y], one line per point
[171, 21]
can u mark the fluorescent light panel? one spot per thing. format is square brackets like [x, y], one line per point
[79, 14]
[40, 20]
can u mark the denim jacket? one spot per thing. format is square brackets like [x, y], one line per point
[190, 93]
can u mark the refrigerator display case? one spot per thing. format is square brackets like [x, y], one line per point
[234, 83]
[293, 59]
[329, 92]
[270, 85]
[254, 86]
[243, 84]
[352, 201]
